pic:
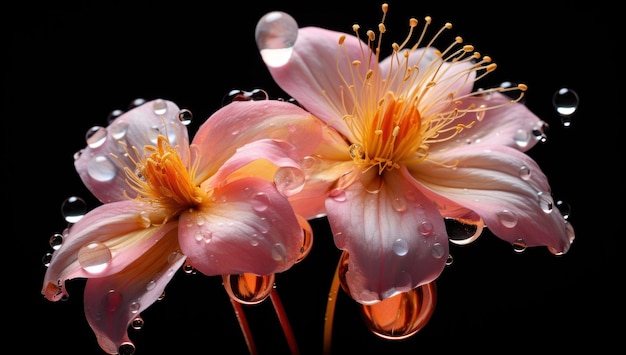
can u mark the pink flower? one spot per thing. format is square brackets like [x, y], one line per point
[410, 144]
[218, 204]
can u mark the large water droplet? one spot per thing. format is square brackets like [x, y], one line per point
[127, 348]
[248, 288]
[159, 107]
[94, 257]
[56, 240]
[463, 231]
[403, 315]
[73, 209]
[400, 247]
[118, 130]
[565, 101]
[289, 181]
[276, 34]
[96, 136]
[507, 218]
[260, 202]
[185, 116]
[101, 168]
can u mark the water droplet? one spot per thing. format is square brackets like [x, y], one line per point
[524, 172]
[480, 114]
[437, 251]
[521, 138]
[113, 115]
[46, 259]
[137, 323]
[507, 218]
[127, 348]
[519, 245]
[73, 209]
[399, 203]
[260, 202]
[159, 107]
[56, 240]
[403, 315]
[565, 101]
[425, 228]
[185, 116]
[307, 238]
[94, 257]
[449, 260]
[338, 195]
[248, 288]
[101, 168]
[136, 103]
[564, 208]
[96, 136]
[276, 34]
[289, 181]
[118, 130]
[463, 231]
[400, 247]
[546, 202]
[279, 253]
[134, 307]
[356, 151]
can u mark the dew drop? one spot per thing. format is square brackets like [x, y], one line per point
[338, 195]
[137, 323]
[185, 116]
[463, 231]
[400, 247]
[449, 260]
[46, 259]
[73, 209]
[114, 115]
[279, 253]
[136, 103]
[276, 34]
[159, 107]
[480, 113]
[519, 245]
[118, 131]
[94, 257]
[437, 250]
[565, 101]
[96, 136]
[564, 208]
[56, 240]
[134, 307]
[289, 181]
[524, 172]
[260, 202]
[521, 138]
[356, 151]
[425, 228]
[546, 202]
[101, 168]
[127, 348]
[507, 218]
[399, 203]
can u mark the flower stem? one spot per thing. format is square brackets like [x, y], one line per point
[284, 322]
[330, 311]
[245, 327]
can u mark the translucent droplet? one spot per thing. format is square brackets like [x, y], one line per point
[242, 95]
[279, 253]
[307, 238]
[248, 288]
[114, 115]
[400, 247]
[356, 151]
[519, 245]
[159, 107]
[94, 257]
[134, 307]
[425, 228]
[137, 323]
[260, 202]
[46, 259]
[565, 101]
[507, 218]
[480, 113]
[118, 130]
[136, 103]
[524, 172]
[338, 195]
[399, 203]
[127, 348]
[96, 136]
[276, 34]
[546, 202]
[403, 315]
[289, 181]
[73, 209]
[185, 116]
[56, 240]
[437, 251]
[101, 168]
[463, 231]
[521, 138]
[564, 208]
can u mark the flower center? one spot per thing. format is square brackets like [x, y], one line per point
[162, 177]
[396, 115]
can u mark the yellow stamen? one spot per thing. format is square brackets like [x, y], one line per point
[394, 119]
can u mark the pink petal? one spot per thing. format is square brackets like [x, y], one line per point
[113, 302]
[101, 173]
[396, 238]
[111, 236]
[506, 188]
[311, 76]
[250, 228]
[242, 122]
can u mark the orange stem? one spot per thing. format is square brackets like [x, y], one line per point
[330, 311]
[284, 322]
[245, 327]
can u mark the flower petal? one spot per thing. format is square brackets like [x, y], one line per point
[113, 302]
[249, 228]
[103, 242]
[103, 174]
[396, 238]
[242, 122]
[311, 76]
[506, 188]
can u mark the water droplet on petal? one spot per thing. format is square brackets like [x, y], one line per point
[289, 181]
[159, 107]
[248, 288]
[46, 259]
[437, 251]
[403, 315]
[546, 202]
[524, 172]
[73, 209]
[400, 247]
[521, 138]
[94, 257]
[507, 218]
[113, 115]
[260, 202]
[56, 240]
[307, 238]
[276, 34]
[134, 307]
[185, 116]
[127, 348]
[118, 130]
[425, 228]
[96, 136]
[279, 253]
[463, 231]
[338, 195]
[137, 323]
[399, 203]
[101, 168]
[519, 245]
[564, 208]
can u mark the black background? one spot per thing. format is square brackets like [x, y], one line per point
[70, 65]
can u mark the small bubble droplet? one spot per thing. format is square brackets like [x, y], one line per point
[276, 34]
[185, 116]
[565, 101]
[73, 209]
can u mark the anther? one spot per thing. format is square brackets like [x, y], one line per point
[371, 35]
[468, 48]
[458, 39]
[491, 67]
[342, 39]
[522, 87]
[382, 28]
[413, 22]
[385, 7]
